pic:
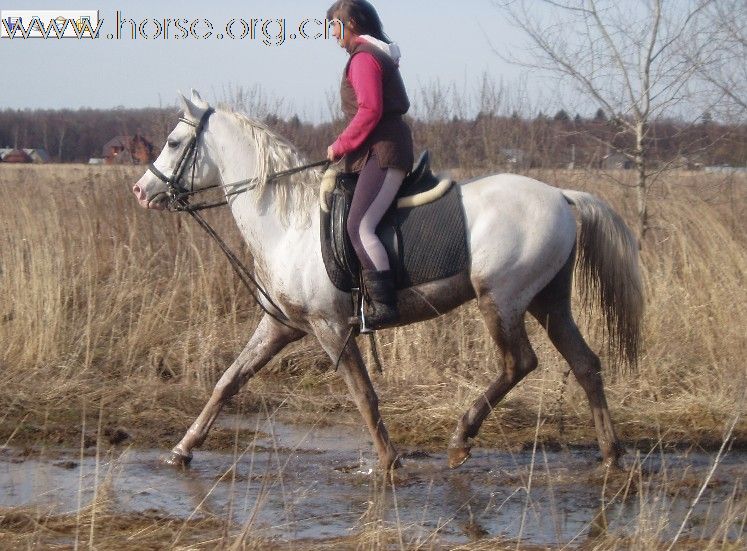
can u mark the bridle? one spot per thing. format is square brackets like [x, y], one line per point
[177, 193]
[179, 197]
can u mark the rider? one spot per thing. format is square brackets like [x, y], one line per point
[377, 142]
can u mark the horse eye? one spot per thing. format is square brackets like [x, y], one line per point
[172, 143]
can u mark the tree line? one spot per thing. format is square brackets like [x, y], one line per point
[487, 140]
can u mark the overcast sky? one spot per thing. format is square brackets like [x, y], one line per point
[441, 40]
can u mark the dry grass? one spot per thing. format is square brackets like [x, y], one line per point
[108, 310]
[103, 302]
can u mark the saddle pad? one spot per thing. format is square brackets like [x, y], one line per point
[432, 241]
[424, 243]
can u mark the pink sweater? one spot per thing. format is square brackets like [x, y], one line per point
[365, 75]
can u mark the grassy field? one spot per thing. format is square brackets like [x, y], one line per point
[118, 318]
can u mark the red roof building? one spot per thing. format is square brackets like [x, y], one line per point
[128, 150]
[17, 156]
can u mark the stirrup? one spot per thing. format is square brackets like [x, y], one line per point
[364, 327]
[359, 322]
[358, 319]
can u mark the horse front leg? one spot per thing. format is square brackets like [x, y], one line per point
[353, 371]
[268, 339]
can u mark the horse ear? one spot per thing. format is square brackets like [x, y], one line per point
[183, 102]
[198, 101]
[190, 109]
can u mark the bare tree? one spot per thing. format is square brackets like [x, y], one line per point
[624, 57]
[256, 101]
[720, 54]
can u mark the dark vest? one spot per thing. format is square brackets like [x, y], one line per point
[391, 139]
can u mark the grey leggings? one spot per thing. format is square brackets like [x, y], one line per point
[376, 189]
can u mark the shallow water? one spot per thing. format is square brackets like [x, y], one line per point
[296, 482]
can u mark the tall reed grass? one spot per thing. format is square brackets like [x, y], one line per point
[103, 301]
[132, 315]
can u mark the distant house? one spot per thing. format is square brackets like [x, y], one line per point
[38, 155]
[513, 158]
[615, 160]
[127, 150]
[16, 156]
[117, 151]
[685, 162]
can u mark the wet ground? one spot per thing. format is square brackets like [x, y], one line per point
[292, 482]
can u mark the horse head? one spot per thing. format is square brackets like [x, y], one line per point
[184, 163]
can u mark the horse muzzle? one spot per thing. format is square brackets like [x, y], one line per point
[157, 202]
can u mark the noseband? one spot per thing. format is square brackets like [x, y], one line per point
[178, 193]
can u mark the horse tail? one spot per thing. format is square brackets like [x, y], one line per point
[610, 276]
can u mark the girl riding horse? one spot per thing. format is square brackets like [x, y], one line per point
[376, 143]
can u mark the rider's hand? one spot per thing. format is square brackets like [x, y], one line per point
[331, 154]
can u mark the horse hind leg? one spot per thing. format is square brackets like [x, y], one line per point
[518, 361]
[552, 309]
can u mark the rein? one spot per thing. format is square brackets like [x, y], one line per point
[179, 202]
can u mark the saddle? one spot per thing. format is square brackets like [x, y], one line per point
[423, 232]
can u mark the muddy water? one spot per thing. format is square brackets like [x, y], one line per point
[294, 482]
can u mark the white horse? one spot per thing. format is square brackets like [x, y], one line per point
[522, 243]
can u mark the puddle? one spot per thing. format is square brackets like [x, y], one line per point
[296, 482]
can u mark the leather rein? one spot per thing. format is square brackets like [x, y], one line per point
[179, 196]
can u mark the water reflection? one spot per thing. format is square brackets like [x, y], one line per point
[309, 483]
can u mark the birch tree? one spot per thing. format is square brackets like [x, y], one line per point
[624, 57]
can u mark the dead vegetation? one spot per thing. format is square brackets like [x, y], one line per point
[108, 307]
[113, 318]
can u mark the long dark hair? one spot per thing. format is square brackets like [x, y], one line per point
[362, 13]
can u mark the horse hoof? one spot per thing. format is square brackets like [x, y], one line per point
[178, 460]
[390, 464]
[612, 464]
[457, 456]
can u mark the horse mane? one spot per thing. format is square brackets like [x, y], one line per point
[292, 197]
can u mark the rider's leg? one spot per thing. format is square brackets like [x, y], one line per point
[374, 194]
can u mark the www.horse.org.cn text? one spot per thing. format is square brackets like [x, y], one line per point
[87, 24]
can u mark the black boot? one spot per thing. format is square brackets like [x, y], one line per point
[382, 304]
